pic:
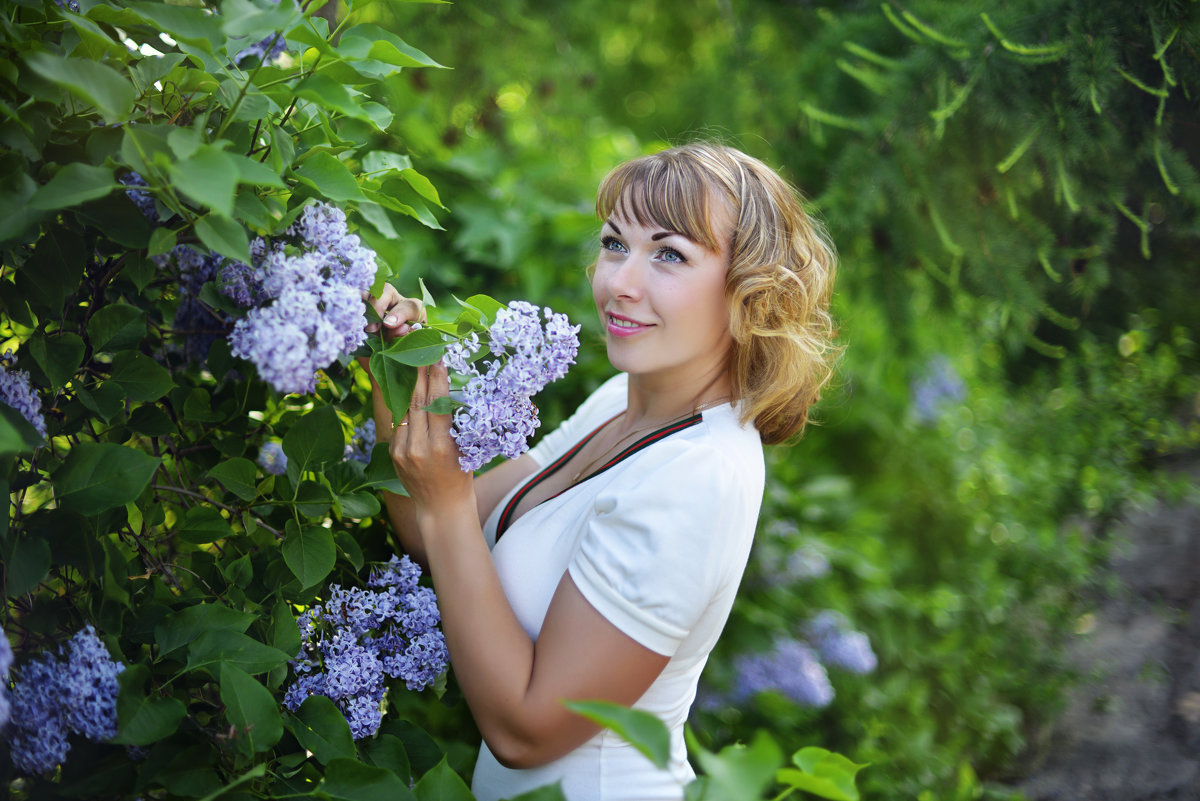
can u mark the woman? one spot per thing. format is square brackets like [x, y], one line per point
[603, 563]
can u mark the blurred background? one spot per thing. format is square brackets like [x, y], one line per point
[1013, 189]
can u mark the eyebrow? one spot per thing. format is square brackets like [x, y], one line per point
[653, 237]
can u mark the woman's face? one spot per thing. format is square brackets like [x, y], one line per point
[661, 299]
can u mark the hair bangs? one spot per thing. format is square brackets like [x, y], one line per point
[670, 193]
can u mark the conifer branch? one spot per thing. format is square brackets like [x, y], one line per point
[1012, 158]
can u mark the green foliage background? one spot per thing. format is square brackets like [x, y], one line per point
[1012, 186]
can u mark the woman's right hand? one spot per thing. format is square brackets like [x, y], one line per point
[397, 315]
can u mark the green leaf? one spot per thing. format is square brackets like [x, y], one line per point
[151, 421]
[381, 471]
[225, 236]
[386, 751]
[189, 24]
[251, 708]
[313, 499]
[285, 633]
[329, 177]
[315, 439]
[255, 173]
[396, 383]
[320, 727]
[117, 326]
[823, 773]
[417, 349]
[202, 525]
[368, 40]
[359, 505]
[385, 161]
[440, 783]
[91, 81]
[740, 771]
[247, 653]
[209, 176]
[238, 476]
[26, 566]
[106, 399]
[17, 435]
[243, 18]
[58, 356]
[74, 184]
[143, 719]
[189, 623]
[330, 94]
[423, 185]
[309, 553]
[98, 476]
[351, 780]
[639, 728]
[486, 305]
[54, 271]
[142, 378]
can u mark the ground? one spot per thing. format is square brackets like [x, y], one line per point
[1131, 728]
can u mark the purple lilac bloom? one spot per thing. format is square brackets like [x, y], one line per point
[304, 294]
[938, 387]
[791, 668]
[17, 391]
[6, 660]
[359, 638]
[272, 459]
[89, 683]
[839, 645]
[268, 49]
[498, 416]
[359, 449]
[140, 197]
[199, 324]
[53, 696]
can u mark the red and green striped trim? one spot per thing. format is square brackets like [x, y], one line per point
[654, 436]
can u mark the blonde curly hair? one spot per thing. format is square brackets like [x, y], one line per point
[781, 269]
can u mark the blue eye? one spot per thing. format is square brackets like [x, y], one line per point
[672, 255]
[611, 243]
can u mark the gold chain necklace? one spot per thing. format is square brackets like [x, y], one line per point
[616, 446]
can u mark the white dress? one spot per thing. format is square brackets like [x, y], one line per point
[657, 542]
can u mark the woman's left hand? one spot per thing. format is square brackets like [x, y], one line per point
[425, 455]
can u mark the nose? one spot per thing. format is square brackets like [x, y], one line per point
[626, 279]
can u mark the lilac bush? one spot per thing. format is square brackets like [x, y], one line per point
[498, 415]
[358, 639]
[791, 668]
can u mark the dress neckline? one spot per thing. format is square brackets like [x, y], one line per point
[506, 515]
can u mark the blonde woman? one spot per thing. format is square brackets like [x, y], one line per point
[603, 563]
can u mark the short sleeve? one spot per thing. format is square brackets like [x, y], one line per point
[606, 401]
[663, 543]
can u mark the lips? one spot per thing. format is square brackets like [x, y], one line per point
[621, 326]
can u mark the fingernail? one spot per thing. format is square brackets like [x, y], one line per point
[372, 328]
[390, 319]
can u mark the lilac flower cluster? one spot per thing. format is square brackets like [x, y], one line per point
[498, 415]
[839, 645]
[359, 449]
[272, 459]
[938, 387]
[17, 391]
[786, 556]
[54, 696]
[199, 324]
[6, 660]
[304, 295]
[797, 668]
[358, 639]
[140, 197]
[267, 50]
[791, 667]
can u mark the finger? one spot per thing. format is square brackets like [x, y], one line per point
[439, 387]
[417, 417]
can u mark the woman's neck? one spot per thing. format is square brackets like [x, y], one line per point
[655, 399]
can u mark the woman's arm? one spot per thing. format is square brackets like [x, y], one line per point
[514, 685]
